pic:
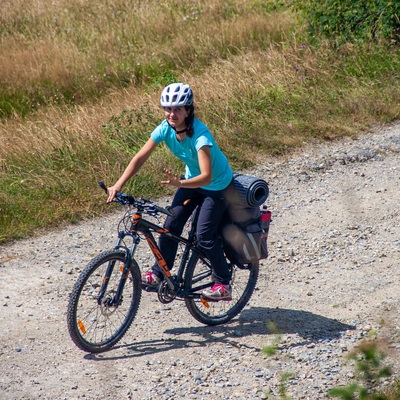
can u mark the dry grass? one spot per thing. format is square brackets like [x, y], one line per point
[225, 92]
[61, 41]
[51, 128]
[25, 63]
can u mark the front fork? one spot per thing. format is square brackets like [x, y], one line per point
[116, 300]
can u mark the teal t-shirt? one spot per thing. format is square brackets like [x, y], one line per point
[187, 152]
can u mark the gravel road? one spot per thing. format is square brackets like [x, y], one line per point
[331, 280]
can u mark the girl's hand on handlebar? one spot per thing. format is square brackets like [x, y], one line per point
[173, 179]
[112, 193]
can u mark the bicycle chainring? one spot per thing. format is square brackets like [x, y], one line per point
[165, 293]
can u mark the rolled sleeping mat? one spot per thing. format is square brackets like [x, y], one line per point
[253, 191]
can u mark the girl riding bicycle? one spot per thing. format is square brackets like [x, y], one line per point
[207, 178]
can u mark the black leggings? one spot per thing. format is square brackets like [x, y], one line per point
[212, 209]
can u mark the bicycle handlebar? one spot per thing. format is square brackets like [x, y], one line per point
[142, 204]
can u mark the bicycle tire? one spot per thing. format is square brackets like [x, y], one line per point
[243, 282]
[95, 327]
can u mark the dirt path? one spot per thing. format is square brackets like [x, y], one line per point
[331, 279]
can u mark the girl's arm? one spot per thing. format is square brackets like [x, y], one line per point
[133, 167]
[205, 177]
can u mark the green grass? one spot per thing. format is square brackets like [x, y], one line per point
[93, 48]
[80, 85]
[370, 372]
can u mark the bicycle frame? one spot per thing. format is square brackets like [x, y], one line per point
[146, 228]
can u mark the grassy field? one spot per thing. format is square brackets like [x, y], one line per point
[80, 84]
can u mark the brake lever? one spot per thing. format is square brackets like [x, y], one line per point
[171, 211]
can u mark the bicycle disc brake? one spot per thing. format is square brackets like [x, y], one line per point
[165, 293]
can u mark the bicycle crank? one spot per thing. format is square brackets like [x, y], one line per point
[165, 293]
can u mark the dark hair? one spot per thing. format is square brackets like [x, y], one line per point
[189, 120]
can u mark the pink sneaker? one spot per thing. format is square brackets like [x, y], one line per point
[150, 279]
[218, 292]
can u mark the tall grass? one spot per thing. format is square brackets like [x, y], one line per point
[76, 51]
[81, 83]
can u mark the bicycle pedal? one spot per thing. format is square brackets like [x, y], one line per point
[150, 289]
[206, 301]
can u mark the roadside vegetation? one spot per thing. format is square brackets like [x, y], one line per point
[370, 379]
[80, 84]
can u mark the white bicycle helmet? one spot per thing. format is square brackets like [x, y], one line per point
[176, 94]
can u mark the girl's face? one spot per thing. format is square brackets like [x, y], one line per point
[176, 116]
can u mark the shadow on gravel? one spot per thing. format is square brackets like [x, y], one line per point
[267, 321]
[257, 320]
[254, 321]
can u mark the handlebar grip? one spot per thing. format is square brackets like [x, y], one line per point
[103, 186]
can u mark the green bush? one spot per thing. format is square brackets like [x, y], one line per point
[368, 361]
[353, 20]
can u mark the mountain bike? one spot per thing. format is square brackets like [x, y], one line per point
[107, 294]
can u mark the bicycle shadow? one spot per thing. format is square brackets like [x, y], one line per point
[261, 321]
[266, 321]
[308, 325]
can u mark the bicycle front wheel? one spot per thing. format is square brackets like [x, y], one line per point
[99, 314]
[199, 274]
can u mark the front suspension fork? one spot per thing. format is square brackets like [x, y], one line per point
[116, 300]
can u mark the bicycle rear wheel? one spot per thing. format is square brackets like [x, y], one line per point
[96, 323]
[198, 274]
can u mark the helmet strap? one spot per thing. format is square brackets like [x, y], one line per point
[182, 130]
[187, 129]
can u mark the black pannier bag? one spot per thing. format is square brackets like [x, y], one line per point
[244, 234]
